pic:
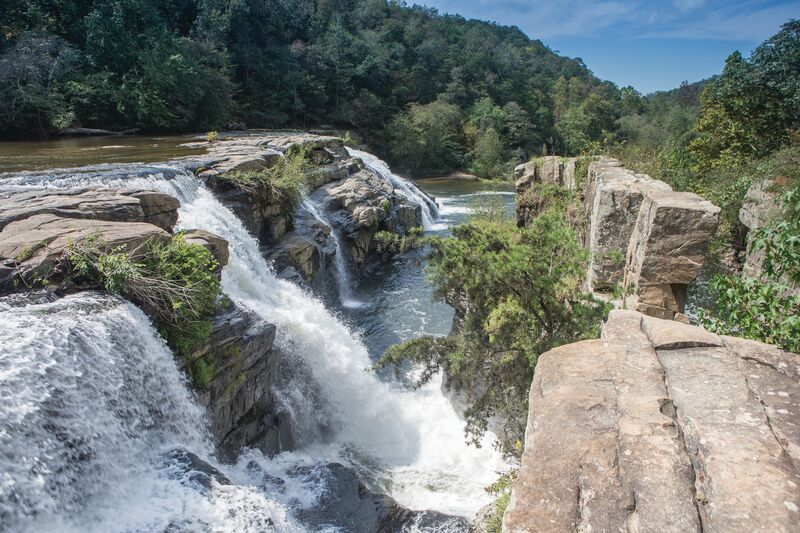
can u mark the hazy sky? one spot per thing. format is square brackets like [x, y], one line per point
[651, 45]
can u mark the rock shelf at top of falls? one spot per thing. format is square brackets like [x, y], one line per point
[288, 400]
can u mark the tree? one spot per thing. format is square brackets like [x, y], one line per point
[751, 108]
[426, 137]
[489, 157]
[517, 292]
[32, 74]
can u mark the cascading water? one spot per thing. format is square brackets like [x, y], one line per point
[91, 405]
[410, 191]
[341, 272]
[409, 444]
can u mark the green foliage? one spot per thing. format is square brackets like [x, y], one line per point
[427, 137]
[766, 308]
[502, 490]
[489, 157]
[756, 309]
[751, 108]
[284, 181]
[212, 136]
[518, 290]
[393, 243]
[175, 282]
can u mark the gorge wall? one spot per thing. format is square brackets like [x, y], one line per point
[657, 425]
[644, 240]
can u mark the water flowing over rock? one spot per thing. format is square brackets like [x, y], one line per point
[660, 426]
[286, 376]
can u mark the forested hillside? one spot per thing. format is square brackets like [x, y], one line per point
[432, 92]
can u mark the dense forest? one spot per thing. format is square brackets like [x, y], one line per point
[429, 91]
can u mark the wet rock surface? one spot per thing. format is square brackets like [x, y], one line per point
[660, 426]
[240, 396]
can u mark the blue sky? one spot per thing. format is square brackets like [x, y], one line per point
[652, 45]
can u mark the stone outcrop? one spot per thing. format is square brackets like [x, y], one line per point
[644, 237]
[92, 203]
[239, 398]
[353, 201]
[551, 170]
[37, 225]
[667, 250]
[612, 200]
[660, 426]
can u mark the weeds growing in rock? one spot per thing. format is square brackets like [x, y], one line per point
[285, 181]
[175, 282]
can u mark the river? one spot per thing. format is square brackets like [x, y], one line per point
[403, 442]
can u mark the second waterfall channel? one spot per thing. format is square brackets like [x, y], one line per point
[403, 442]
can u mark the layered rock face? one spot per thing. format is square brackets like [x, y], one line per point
[353, 201]
[552, 170]
[612, 200]
[240, 397]
[667, 249]
[660, 426]
[37, 225]
[645, 237]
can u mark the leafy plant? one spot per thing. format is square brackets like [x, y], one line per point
[766, 308]
[174, 281]
[517, 294]
[284, 181]
[212, 136]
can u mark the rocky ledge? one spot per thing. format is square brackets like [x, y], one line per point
[660, 426]
[347, 201]
[644, 239]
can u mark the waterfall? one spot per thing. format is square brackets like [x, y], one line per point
[410, 191]
[341, 271]
[409, 443]
[91, 404]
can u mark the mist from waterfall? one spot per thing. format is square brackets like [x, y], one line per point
[92, 403]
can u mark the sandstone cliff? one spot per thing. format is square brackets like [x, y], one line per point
[660, 426]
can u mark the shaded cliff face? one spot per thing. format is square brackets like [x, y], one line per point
[660, 426]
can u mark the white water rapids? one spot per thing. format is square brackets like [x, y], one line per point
[410, 443]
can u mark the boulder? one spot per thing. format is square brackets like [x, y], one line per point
[613, 197]
[98, 203]
[667, 249]
[211, 242]
[660, 426]
[38, 244]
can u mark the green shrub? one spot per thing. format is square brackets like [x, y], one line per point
[766, 308]
[284, 181]
[519, 292]
[175, 282]
[212, 136]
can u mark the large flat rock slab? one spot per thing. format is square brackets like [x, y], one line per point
[99, 203]
[660, 426]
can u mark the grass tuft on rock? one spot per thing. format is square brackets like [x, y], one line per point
[173, 281]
